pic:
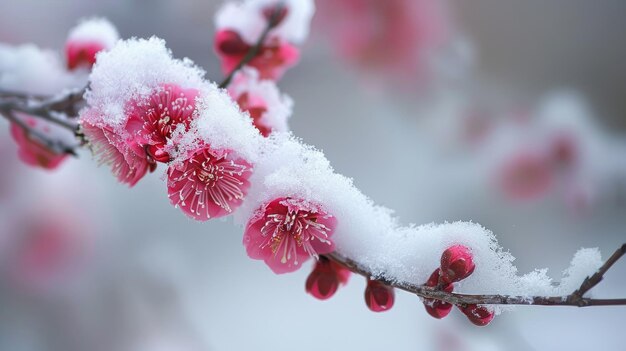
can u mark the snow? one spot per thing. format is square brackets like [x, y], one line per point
[95, 29]
[28, 68]
[132, 69]
[221, 125]
[586, 262]
[246, 18]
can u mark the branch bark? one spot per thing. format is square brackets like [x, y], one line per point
[575, 299]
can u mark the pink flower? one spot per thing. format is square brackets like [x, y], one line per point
[287, 231]
[87, 39]
[82, 54]
[393, 36]
[209, 184]
[272, 60]
[128, 160]
[325, 278]
[47, 251]
[33, 152]
[526, 175]
[152, 121]
[379, 297]
[149, 126]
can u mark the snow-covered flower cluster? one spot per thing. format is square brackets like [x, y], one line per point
[30, 69]
[229, 152]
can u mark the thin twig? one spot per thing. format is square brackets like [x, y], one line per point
[48, 109]
[575, 299]
[254, 50]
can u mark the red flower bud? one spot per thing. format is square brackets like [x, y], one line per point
[325, 278]
[456, 264]
[437, 308]
[378, 296]
[229, 42]
[479, 315]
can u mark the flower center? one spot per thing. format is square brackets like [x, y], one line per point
[287, 232]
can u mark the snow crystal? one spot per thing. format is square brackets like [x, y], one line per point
[132, 69]
[585, 263]
[28, 68]
[98, 29]
[279, 106]
[246, 18]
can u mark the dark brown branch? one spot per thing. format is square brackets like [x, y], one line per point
[272, 22]
[574, 299]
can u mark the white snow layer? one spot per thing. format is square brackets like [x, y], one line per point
[95, 29]
[28, 68]
[132, 69]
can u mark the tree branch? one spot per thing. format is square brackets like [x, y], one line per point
[45, 108]
[574, 299]
[54, 145]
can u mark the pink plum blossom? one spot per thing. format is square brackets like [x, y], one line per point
[86, 40]
[47, 251]
[151, 121]
[209, 184]
[272, 60]
[129, 162]
[393, 36]
[287, 231]
[81, 54]
[33, 152]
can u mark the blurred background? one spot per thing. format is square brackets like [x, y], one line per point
[506, 113]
